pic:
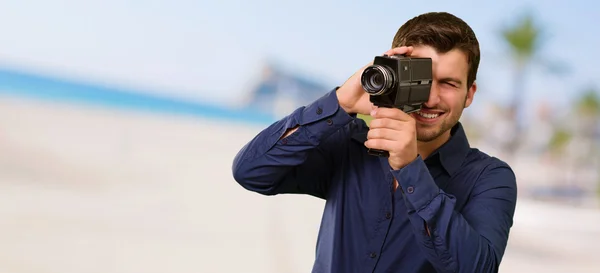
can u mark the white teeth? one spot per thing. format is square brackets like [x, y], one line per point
[428, 115]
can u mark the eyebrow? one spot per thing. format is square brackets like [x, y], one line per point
[457, 81]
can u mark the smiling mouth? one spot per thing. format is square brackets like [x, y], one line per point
[428, 116]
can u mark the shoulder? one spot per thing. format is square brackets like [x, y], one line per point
[489, 172]
[481, 160]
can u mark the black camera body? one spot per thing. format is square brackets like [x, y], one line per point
[398, 82]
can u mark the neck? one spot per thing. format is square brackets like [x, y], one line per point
[425, 149]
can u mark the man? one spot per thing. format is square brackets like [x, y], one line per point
[433, 205]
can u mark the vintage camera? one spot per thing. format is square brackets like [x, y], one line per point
[398, 81]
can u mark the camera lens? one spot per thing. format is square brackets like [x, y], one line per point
[377, 79]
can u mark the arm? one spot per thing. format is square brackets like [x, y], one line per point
[473, 240]
[294, 155]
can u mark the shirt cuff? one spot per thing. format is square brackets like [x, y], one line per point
[416, 184]
[323, 117]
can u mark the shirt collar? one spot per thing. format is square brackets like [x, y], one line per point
[452, 154]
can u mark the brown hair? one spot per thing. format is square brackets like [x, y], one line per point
[444, 32]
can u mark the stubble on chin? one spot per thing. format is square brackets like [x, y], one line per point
[430, 133]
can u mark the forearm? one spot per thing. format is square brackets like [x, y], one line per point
[271, 162]
[472, 240]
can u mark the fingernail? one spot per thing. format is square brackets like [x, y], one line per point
[373, 112]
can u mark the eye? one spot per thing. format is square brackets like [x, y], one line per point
[449, 84]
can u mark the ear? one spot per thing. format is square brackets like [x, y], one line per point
[470, 94]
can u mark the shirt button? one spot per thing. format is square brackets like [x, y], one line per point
[388, 215]
[373, 255]
[319, 111]
[284, 141]
[329, 122]
[410, 189]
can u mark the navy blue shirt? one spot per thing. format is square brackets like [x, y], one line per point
[452, 212]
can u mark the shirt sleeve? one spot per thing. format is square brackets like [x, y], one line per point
[472, 240]
[301, 162]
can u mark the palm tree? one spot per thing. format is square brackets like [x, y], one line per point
[524, 39]
[588, 104]
[559, 141]
[587, 113]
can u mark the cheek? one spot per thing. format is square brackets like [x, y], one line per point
[452, 100]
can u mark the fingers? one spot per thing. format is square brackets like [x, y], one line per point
[380, 144]
[387, 123]
[382, 133]
[390, 113]
[403, 50]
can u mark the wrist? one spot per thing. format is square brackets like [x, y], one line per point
[401, 164]
[341, 99]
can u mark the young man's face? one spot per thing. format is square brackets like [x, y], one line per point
[449, 93]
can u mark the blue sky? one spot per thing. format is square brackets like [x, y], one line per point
[212, 50]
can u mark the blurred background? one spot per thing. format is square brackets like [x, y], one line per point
[119, 121]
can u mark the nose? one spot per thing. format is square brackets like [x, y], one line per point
[434, 96]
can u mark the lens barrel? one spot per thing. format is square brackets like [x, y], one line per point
[377, 79]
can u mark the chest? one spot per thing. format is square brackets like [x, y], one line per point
[364, 184]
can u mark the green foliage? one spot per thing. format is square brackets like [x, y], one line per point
[589, 103]
[559, 140]
[524, 38]
[366, 118]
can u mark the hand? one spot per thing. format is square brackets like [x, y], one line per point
[352, 97]
[394, 131]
